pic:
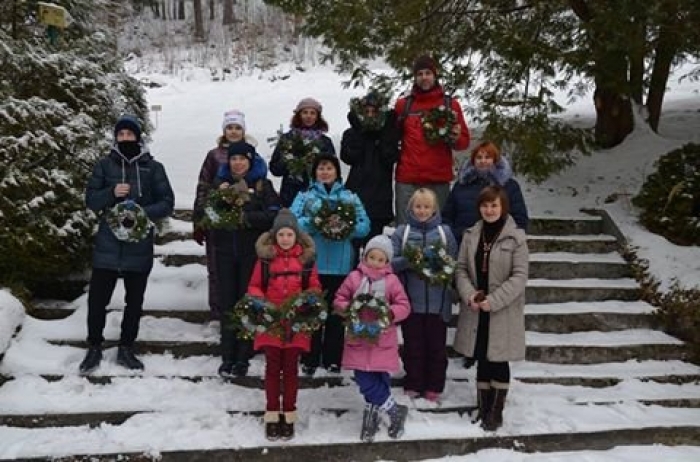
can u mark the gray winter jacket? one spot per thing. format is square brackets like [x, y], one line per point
[508, 272]
[150, 188]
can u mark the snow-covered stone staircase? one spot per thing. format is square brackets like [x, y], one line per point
[598, 374]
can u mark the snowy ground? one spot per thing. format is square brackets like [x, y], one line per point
[186, 128]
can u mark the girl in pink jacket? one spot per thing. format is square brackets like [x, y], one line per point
[374, 359]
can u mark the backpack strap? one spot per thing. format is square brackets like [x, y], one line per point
[404, 238]
[443, 238]
[406, 111]
[306, 274]
[265, 270]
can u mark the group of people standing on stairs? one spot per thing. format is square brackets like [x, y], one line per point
[479, 220]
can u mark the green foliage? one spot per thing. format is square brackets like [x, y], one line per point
[679, 314]
[508, 59]
[58, 105]
[670, 197]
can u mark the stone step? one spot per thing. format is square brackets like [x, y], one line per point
[561, 354]
[565, 226]
[580, 290]
[418, 449]
[597, 243]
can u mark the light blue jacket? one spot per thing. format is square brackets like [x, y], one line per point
[332, 257]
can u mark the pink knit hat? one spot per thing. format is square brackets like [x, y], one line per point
[309, 103]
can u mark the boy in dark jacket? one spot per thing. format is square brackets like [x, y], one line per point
[127, 173]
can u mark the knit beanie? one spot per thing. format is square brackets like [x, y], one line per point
[233, 117]
[332, 158]
[380, 242]
[309, 103]
[285, 219]
[128, 122]
[241, 148]
[425, 62]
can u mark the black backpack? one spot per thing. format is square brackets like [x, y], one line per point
[266, 275]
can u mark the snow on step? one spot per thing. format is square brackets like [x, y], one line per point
[622, 370]
[602, 339]
[608, 306]
[181, 247]
[585, 283]
[572, 237]
[570, 257]
[617, 454]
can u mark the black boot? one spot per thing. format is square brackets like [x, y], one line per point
[92, 359]
[495, 416]
[397, 420]
[272, 425]
[127, 358]
[240, 369]
[308, 371]
[226, 369]
[484, 399]
[370, 423]
[287, 425]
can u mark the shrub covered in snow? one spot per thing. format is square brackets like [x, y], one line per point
[670, 197]
[680, 316]
[57, 109]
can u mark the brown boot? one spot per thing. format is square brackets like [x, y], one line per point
[272, 425]
[495, 416]
[484, 398]
[287, 425]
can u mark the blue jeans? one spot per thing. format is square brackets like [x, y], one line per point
[374, 386]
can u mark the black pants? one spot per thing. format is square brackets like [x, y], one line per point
[327, 342]
[102, 285]
[487, 371]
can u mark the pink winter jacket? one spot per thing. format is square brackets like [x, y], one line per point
[362, 355]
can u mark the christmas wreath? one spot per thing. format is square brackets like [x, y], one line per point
[437, 124]
[433, 264]
[128, 221]
[298, 153]
[372, 124]
[252, 315]
[367, 317]
[224, 209]
[306, 311]
[335, 220]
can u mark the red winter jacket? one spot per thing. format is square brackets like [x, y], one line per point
[280, 288]
[420, 162]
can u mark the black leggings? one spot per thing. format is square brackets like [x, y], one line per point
[487, 371]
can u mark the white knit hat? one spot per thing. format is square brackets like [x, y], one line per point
[380, 242]
[233, 117]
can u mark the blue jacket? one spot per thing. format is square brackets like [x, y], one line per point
[332, 257]
[292, 185]
[150, 188]
[425, 298]
[460, 211]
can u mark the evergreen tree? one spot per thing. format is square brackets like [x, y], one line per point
[58, 104]
[509, 57]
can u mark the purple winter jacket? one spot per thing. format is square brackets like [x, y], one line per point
[363, 355]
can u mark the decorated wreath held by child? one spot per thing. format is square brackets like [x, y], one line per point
[129, 221]
[372, 300]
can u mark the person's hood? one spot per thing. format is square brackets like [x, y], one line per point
[499, 173]
[267, 248]
[258, 171]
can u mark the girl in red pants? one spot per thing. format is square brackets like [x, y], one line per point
[285, 267]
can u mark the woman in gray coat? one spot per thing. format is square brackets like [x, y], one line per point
[492, 270]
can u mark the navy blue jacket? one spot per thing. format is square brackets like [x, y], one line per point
[292, 185]
[460, 211]
[150, 188]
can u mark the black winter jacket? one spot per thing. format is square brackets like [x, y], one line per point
[371, 156]
[150, 188]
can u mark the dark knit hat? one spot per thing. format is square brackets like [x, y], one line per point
[128, 122]
[241, 148]
[332, 158]
[284, 219]
[425, 62]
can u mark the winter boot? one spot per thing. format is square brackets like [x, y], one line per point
[126, 358]
[494, 419]
[484, 399]
[370, 423]
[308, 371]
[272, 425]
[226, 369]
[240, 369]
[397, 420]
[92, 359]
[287, 425]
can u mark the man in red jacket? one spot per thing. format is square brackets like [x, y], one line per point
[422, 164]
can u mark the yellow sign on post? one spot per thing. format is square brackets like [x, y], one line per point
[51, 14]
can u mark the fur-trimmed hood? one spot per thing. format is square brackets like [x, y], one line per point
[305, 249]
[499, 173]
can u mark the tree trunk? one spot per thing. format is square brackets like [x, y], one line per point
[181, 10]
[636, 59]
[164, 10]
[228, 13]
[212, 10]
[614, 119]
[198, 20]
